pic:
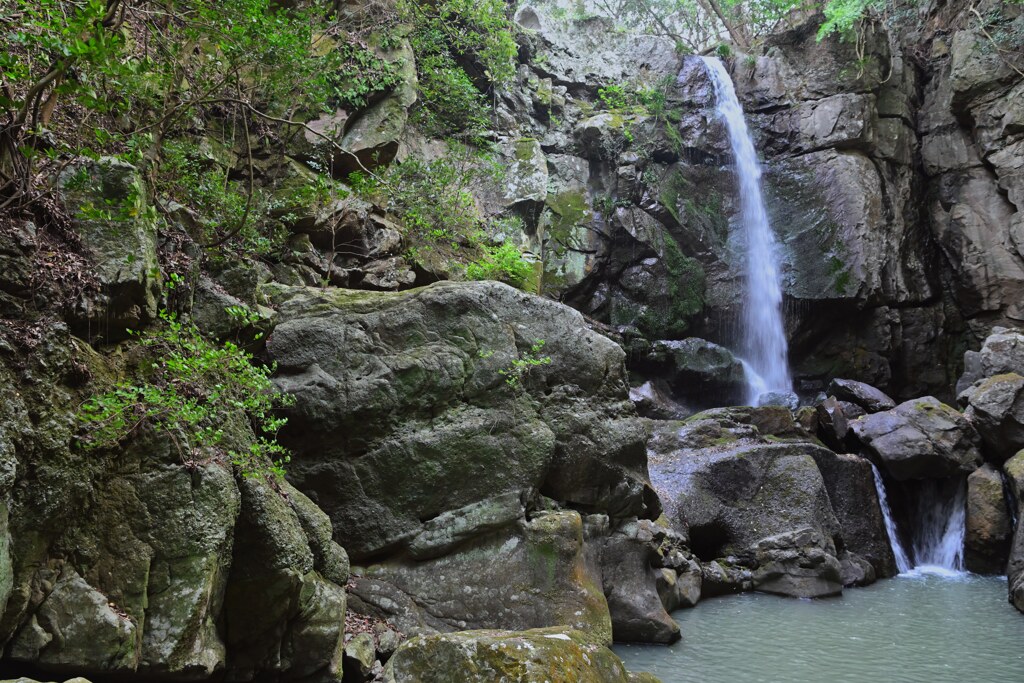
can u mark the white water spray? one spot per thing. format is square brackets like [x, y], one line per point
[764, 337]
[902, 561]
[939, 537]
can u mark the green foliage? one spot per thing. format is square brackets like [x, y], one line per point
[192, 392]
[362, 73]
[519, 369]
[448, 37]
[502, 262]
[841, 16]
[686, 285]
[432, 198]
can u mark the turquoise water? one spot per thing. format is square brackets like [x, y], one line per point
[920, 628]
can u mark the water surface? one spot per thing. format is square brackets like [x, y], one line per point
[918, 627]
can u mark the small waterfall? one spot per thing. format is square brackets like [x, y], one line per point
[939, 536]
[765, 339]
[902, 561]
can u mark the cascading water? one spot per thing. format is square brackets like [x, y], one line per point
[902, 561]
[765, 339]
[939, 536]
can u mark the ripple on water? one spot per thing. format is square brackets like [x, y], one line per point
[921, 627]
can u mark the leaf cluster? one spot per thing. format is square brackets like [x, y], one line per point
[192, 392]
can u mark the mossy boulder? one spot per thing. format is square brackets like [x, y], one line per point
[106, 199]
[551, 655]
[996, 407]
[920, 439]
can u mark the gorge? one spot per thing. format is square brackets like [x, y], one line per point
[469, 342]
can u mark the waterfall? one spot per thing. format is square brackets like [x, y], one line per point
[939, 536]
[902, 561]
[764, 337]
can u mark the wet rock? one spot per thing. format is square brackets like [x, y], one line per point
[919, 439]
[996, 407]
[653, 399]
[866, 396]
[630, 585]
[1014, 468]
[988, 526]
[698, 371]
[832, 424]
[851, 491]
[551, 655]
[760, 504]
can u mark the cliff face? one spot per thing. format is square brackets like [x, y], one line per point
[473, 447]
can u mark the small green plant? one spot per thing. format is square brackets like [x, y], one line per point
[723, 50]
[502, 262]
[517, 371]
[192, 392]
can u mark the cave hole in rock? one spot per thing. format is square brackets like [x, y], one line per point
[708, 541]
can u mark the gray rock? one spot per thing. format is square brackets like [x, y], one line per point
[996, 407]
[988, 526]
[552, 655]
[699, 372]
[107, 201]
[866, 396]
[427, 424]
[832, 424]
[360, 654]
[630, 585]
[754, 503]
[1014, 469]
[920, 439]
[1002, 353]
[529, 575]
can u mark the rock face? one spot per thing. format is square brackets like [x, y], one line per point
[427, 424]
[920, 439]
[132, 563]
[749, 503]
[551, 655]
[1014, 469]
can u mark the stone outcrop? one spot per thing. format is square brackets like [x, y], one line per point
[864, 395]
[756, 506]
[137, 563]
[920, 439]
[552, 655]
[996, 407]
[989, 526]
[431, 424]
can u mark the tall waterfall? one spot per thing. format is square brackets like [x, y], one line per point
[902, 561]
[764, 337]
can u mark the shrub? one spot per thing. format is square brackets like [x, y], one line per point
[191, 392]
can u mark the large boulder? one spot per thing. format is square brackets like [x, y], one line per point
[699, 372]
[132, 562]
[989, 527]
[409, 406]
[528, 575]
[920, 439]
[996, 407]
[551, 655]
[753, 502]
[1002, 353]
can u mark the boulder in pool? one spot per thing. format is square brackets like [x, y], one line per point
[988, 524]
